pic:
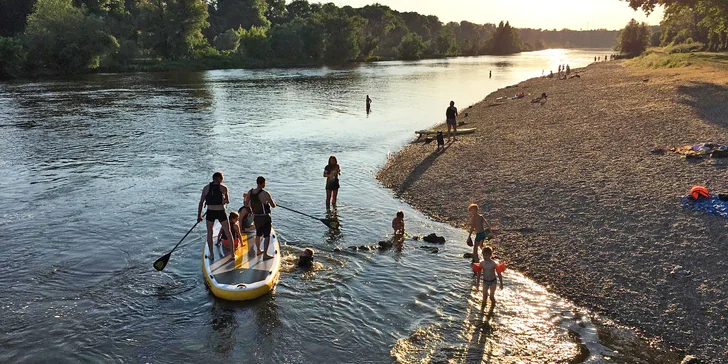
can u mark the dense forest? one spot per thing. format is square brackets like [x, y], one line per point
[39, 37]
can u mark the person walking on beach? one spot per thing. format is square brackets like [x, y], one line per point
[261, 203]
[215, 196]
[451, 115]
[490, 276]
[369, 105]
[332, 171]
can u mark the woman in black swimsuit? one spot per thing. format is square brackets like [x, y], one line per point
[332, 172]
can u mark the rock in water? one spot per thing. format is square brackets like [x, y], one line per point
[690, 360]
[433, 238]
[468, 255]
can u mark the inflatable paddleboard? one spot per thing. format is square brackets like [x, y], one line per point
[247, 276]
[444, 132]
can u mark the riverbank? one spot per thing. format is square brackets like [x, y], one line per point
[583, 204]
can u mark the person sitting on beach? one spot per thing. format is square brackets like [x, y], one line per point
[541, 99]
[305, 259]
[490, 276]
[451, 115]
[477, 225]
[234, 231]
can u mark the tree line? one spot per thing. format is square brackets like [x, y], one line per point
[689, 25]
[39, 37]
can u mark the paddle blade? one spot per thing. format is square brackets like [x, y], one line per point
[331, 223]
[162, 262]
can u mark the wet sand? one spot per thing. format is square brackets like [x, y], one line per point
[582, 204]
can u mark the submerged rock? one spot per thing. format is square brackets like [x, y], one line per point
[690, 360]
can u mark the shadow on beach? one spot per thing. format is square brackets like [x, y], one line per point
[706, 98]
[421, 168]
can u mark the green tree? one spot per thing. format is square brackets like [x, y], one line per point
[234, 14]
[411, 47]
[61, 38]
[173, 28]
[229, 41]
[380, 21]
[342, 35]
[298, 9]
[276, 12]
[254, 43]
[445, 43]
[286, 42]
[634, 38]
[505, 40]
[13, 16]
[12, 57]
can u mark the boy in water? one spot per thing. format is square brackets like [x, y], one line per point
[398, 227]
[477, 224]
[490, 278]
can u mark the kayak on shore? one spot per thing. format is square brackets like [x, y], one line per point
[247, 276]
[434, 132]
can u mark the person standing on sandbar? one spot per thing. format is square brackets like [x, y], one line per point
[215, 196]
[451, 115]
[261, 203]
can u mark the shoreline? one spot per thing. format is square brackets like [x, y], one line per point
[584, 207]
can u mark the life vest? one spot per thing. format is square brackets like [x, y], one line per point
[214, 195]
[699, 191]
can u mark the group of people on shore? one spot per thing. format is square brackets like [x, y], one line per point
[605, 58]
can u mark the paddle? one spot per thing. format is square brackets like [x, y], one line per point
[330, 223]
[162, 262]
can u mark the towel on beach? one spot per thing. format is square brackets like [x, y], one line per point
[700, 149]
[711, 206]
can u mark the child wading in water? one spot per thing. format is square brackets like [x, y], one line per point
[477, 224]
[398, 227]
[490, 278]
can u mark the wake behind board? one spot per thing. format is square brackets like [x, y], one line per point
[247, 276]
[434, 132]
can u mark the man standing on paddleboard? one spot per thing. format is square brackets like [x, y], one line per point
[260, 203]
[215, 196]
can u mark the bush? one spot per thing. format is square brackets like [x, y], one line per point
[228, 41]
[254, 43]
[411, 47]
[12, 57]
[687, 47]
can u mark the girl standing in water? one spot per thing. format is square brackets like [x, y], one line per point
[332, 172]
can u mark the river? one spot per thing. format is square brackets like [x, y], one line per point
[101, 175]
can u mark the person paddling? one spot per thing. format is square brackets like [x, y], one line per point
[452, 120]
[260, 202]
[215, 196]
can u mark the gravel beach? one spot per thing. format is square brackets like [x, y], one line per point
[582, 203]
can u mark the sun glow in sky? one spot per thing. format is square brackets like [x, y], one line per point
[545, 14]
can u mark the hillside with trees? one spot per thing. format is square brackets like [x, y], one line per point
[48, 37]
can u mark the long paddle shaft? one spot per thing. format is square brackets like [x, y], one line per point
[160, 263]
[332, 224]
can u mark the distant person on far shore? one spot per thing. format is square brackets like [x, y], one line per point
[559, 70]
[568, 70]
[369, 105]
[451, 115]
[332, 172]
[490, 74]
[595, 59]
[490, 277]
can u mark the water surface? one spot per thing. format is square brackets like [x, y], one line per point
[101, 175]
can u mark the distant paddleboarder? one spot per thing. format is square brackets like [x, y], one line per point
[215, 196]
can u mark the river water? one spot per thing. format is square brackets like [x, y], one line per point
[101, 175]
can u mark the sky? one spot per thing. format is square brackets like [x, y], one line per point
[545, 14]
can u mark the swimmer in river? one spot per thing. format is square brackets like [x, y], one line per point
[490, 276]
[305, 260]
[477, 225]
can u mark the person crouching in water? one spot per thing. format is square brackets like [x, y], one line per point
[235, 242]
[477, 225]
[490, 278]
[305, 260]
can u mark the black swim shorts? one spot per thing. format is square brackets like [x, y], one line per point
[263, 225]
[219, 215]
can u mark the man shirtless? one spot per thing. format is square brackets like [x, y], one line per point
[477, 225]
[215, 195]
